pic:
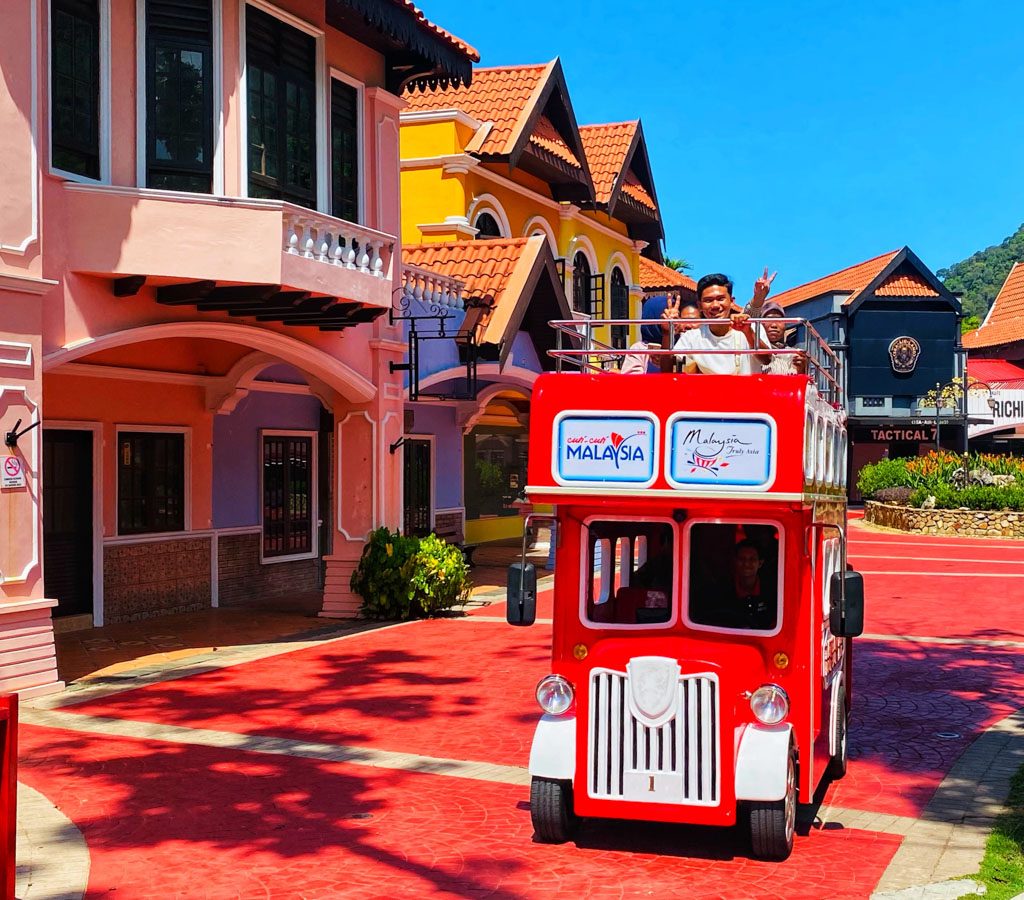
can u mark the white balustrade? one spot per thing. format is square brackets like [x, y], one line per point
[336, 242]
[432, 289]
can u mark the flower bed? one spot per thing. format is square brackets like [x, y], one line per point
[967, 523]
[945, 481]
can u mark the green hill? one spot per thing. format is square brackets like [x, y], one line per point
[979, 277]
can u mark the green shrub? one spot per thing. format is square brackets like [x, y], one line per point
[438, 575]
[402, 577]
[380, 577]
[886, 473]
[973, 497]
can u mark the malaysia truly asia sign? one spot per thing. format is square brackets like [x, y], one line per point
[606, 448]
[732, 451]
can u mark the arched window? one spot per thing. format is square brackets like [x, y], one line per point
[620, 309]
[581, 283]
[487, 227]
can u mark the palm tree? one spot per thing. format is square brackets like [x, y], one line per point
[680, 265]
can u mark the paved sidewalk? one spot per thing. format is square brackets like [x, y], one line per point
[390, 760]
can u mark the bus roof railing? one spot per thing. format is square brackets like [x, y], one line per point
[825, 366]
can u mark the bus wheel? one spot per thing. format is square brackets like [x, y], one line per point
[837, 765]
[551, 810]
[772, 825]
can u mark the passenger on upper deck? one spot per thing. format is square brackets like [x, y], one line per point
[794, 363]
[714, 294]
[637, 362]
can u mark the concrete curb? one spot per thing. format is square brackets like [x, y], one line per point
[53, 859]
[948, 840]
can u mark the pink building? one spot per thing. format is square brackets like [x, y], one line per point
[198, 250]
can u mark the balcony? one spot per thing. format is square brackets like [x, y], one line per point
[217, 251]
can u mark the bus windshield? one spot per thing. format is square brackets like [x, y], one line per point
[631, 566]
[734, 576]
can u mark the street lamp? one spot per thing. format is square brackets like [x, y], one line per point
[939, 404]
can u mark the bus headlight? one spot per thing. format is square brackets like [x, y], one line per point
[769, 704]
[555, 695]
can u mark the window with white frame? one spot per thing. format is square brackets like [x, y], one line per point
[487, 227]
[150, 482]
[179, 95]
[75, 86]
[630, 572]
[281, 109]
[289, 495]
[345, 150]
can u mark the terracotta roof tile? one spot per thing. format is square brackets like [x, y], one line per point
[606, 147]
[851, 280]
[905, 284]
[496, 274]
[654, 277]
[500, 96]
[996, 372]
[1004, 323]
[546, 136]
[470, 52]
[484, 267]
[632, 186]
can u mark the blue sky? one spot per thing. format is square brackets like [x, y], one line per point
[802, 135]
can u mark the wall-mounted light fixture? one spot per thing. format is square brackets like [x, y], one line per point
[11, 437]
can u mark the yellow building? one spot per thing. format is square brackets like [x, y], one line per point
[504, 160]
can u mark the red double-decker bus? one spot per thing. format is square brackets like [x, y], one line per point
[703, 609]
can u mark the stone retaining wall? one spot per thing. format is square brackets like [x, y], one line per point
[973, 523]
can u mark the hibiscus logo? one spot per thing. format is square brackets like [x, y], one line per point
[616, 439]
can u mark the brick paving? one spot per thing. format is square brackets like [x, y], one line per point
[391, 762]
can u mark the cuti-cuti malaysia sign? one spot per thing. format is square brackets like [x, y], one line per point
[732, 451]
[605, 448]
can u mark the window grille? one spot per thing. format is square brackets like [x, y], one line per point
[287, 495]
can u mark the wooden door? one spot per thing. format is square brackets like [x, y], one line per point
[67, 520]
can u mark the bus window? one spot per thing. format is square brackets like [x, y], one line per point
[735, 578]
[631, 568]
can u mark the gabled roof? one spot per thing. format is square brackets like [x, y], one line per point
[1004, 323]
[851, 280]
[608, 148]
[656, 277]
[996, 373]
[416, 51]
[528, 122]
[501, 277]
[623, 184]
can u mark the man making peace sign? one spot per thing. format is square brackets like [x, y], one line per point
[714, 295]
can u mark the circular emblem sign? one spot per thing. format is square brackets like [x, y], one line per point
[903, 354]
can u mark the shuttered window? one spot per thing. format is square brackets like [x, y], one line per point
[179, 95]
[288, 492]
[281, 95]
[344, 151]
[75, 86]
[150, 482]
[620, 309]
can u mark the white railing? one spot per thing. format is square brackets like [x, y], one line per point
[428, 287]
[336, 242]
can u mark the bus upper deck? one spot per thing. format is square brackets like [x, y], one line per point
[595, 432]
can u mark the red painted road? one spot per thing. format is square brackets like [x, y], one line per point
[174, 820]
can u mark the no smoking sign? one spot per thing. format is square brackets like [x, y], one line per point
[12, 473]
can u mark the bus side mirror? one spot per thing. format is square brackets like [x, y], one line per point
[846, 606]
[521, 608]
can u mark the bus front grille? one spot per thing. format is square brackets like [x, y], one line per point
[673, 762]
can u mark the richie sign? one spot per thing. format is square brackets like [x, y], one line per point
[605, 449]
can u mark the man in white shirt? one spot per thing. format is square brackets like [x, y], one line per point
[714, 295]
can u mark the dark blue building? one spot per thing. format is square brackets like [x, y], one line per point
[898, 329]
